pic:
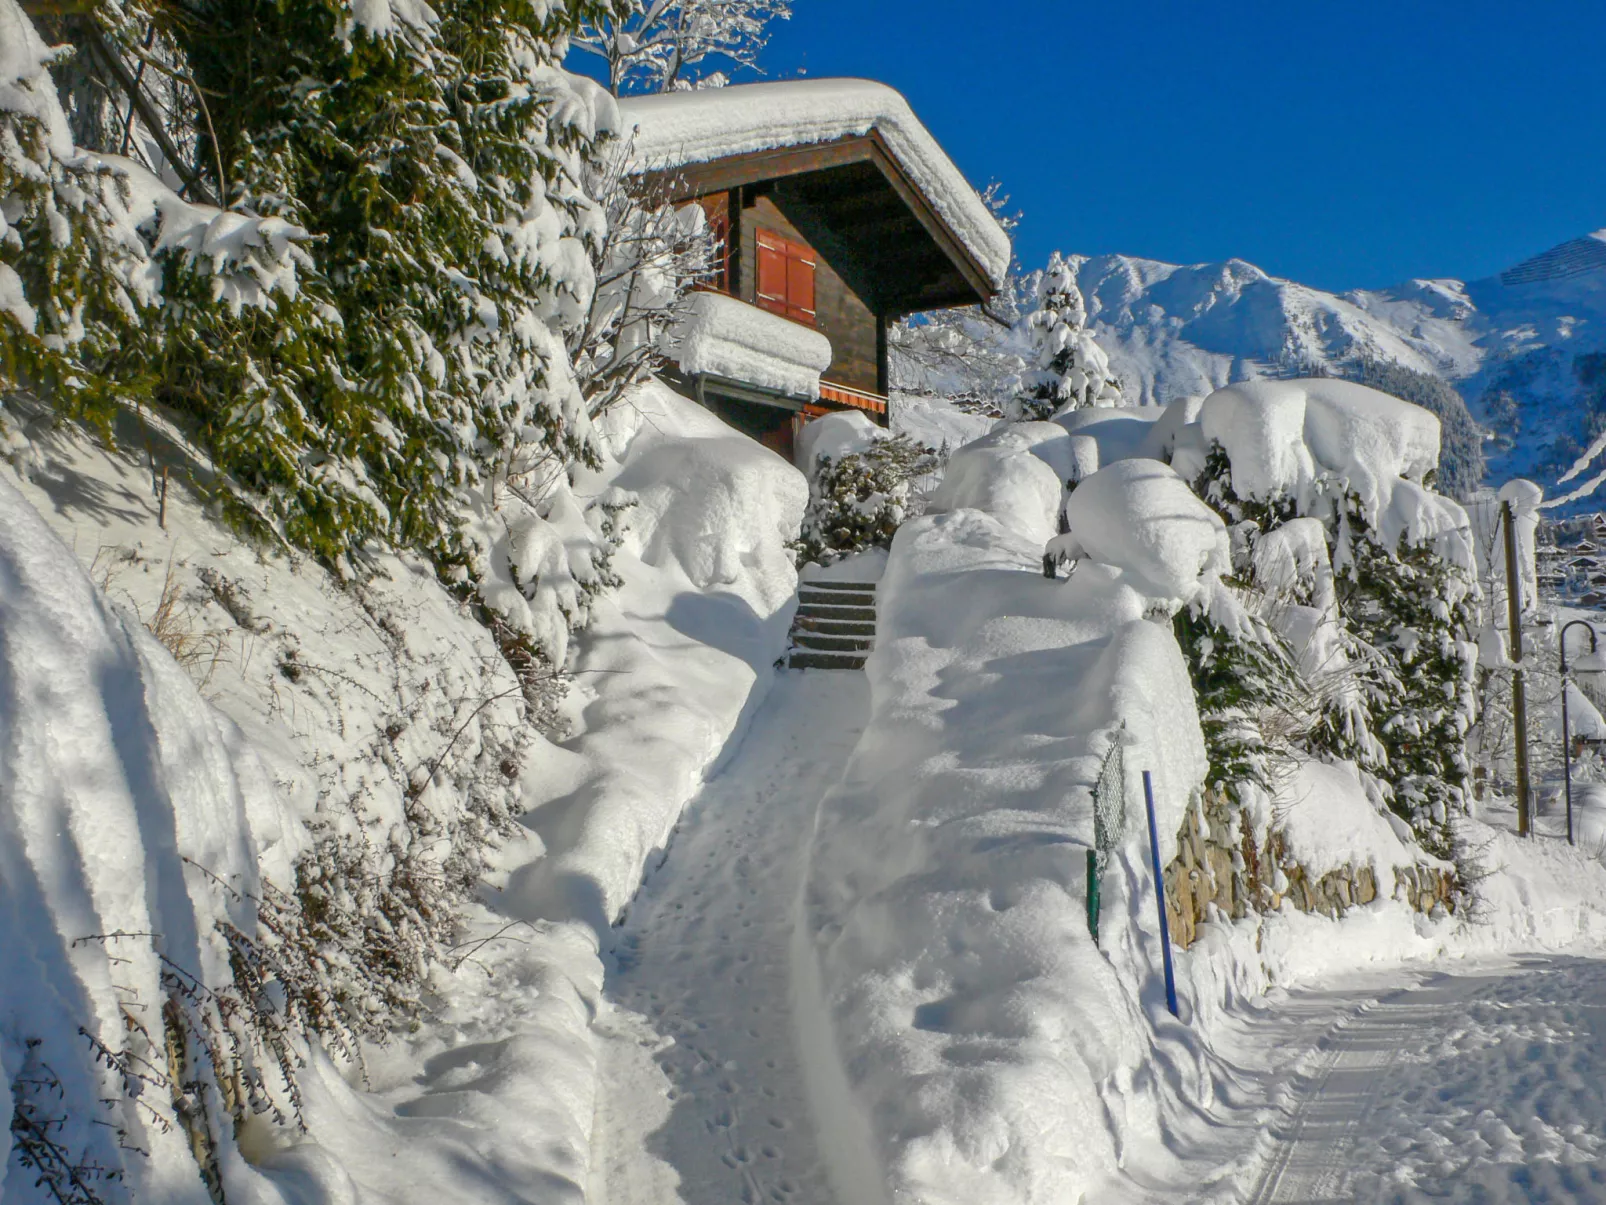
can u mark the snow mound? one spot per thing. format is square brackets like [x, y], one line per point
[674, 129]
[935, 422]
[1121, 432]
[724, 337]
[1160, 443]
[676, 658]
[125, 800]
[833, 436]
[1015, 473]
[976, 1044]
[1328, 820]
[1138, 516]
[1280, 434]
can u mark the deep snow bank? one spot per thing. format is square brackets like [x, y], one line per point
[976, 1042]
[969, 1042]
[128, 808]
[675, 659]
[364, 700]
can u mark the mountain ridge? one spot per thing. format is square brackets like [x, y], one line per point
[1518, 345]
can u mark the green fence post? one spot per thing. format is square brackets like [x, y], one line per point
[1093, 894]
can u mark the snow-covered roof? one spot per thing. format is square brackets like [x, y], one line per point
[679, 128]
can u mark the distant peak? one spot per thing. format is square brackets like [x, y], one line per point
[1572, 258]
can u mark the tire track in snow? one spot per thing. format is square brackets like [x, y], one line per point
[1381, 1115]
[702, 1097]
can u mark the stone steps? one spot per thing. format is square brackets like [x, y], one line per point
[834, 627]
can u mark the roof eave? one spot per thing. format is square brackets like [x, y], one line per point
[691, 180]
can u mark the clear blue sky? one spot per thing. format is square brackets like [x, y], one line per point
[1343, 145]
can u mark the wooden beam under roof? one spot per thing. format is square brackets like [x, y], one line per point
[790, 163]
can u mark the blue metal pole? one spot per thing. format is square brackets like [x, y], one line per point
[1159, 896]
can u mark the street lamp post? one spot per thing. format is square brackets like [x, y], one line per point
[1566, 736]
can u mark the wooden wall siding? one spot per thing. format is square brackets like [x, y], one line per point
[840, 315]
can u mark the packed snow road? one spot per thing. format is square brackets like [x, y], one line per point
[703, 1099]
[1479, 1087]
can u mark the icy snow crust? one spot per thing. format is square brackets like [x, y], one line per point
[679, 128]
[728, 338]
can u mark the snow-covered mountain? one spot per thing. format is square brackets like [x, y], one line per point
[1516, 345]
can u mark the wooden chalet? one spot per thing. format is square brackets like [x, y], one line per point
[837, 212]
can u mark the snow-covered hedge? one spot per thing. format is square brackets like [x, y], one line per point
[859, 485]
[975, 1042]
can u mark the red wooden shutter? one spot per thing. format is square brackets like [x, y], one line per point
[786, 277]
[800, 285]
[771, 272]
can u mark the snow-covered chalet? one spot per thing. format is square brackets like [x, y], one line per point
[839, 214]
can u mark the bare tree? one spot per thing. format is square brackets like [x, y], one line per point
[663, 45]
[973, 355]
[654, 253]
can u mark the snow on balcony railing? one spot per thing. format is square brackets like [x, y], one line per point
[723, 337]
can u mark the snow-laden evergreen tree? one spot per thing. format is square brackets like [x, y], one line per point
[857, 500]
[422, 393]
[669, 45]
[1066, 368]
[91, 244]
[1400, 701]
[1254, 708]
[1412, 612]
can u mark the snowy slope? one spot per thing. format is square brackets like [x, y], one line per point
[310, 701]
[1174, 330]
[967, 1041]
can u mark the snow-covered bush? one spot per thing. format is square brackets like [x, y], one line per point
[1392, 626]
[859, 482]
[1066, 368]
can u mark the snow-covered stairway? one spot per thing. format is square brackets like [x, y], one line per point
[834, 627]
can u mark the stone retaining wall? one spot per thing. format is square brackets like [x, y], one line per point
[1238, 878]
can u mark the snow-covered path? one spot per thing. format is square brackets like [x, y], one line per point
[1480, 1087]
[703, 1099]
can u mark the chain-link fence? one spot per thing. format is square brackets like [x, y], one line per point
[1109, 822]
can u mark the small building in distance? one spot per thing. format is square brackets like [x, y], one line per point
[839, 214]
